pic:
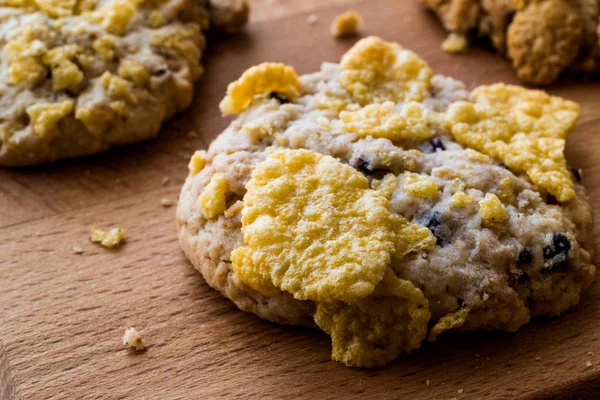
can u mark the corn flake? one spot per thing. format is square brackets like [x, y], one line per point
[313, 227]
[525, 129]
[382, 121]
[212, 201]
[375, 330]
[260, 79]
[375, 71]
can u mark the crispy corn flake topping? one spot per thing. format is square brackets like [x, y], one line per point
[382, 121]
[491, 208]
[212, 201]
[46, 116]
[418, 185]
[373, 331]
[259, 80]
[375, 71]
[525, 129]
[314, 228]
[447, 322]
[197, 162]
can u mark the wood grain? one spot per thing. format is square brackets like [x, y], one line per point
[62, 315]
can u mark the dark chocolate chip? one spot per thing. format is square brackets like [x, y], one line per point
[49, 74]
[437, 144]
[560, 247]
[551, 200]
[159, 72]
[279, 97]
[363, 166]
[525, 256]
[433, 223]
[576, 174]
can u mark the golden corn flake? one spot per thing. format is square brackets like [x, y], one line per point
[56, 8]
[375, 71]
[382, 121]
[447, 322]
[110, 239]
[460, 200]
[212, 201]
[257, 80]
[45, 116]
[313, 227]
[375, 330]
[491, 208]
[418, 185]
[116, 16]
[197, 162]
[525, 129]
[411, 238]
[134, 71]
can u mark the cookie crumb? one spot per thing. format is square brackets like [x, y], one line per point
[460, 391]
[133, 339]
[590, 353]
[165, 202]
[455, 43]
[538, 358]
[346, 24]
[588, 364]
[110, 239]
[192, 134]
[427, 382]
[312, 19]
[77, 250]
[165, 180]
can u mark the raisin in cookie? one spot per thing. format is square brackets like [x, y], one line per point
[542, 38]
[79, 77]
[385, 205]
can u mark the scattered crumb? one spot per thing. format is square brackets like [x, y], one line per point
[455, 43]
[312, 19]
[427, 382]
[192, 134]
[346, 24]
[460, 391]
[454, 398]
[110, 239]
[166, 202]
[133, 339]
[165, 180]
[588, 364]
[77, 250]
[38, 233]
[590, 353]
[538, 358]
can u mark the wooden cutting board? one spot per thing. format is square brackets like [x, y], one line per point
[62, 315]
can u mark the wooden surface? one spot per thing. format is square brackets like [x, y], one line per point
[62, 315]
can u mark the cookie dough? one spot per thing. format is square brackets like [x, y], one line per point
[79, 77]
[542, 38]
[384, 204]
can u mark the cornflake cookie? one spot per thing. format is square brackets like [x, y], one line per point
[79, 77]
[385, 205]
[542, 38]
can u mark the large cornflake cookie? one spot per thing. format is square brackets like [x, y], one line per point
[386, 205]
[79, 77]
